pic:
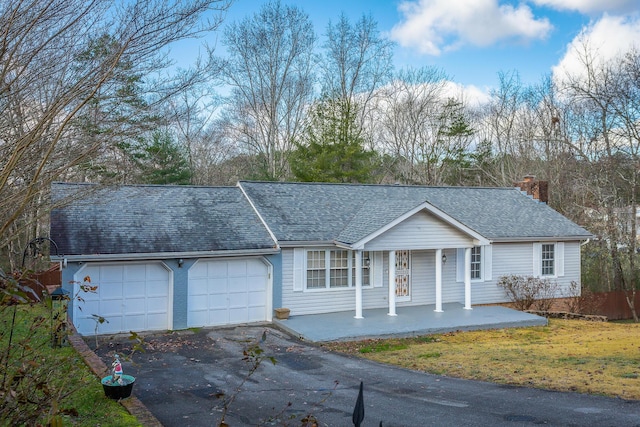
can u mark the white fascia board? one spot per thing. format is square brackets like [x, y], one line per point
[306, 243]
[433, 210]
[165, 255]
[273, 236]
[541, 239]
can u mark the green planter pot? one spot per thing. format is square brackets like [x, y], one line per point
[118, 391]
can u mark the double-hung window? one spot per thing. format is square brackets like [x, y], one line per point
[339, 270]
[366, 271]
[335, 269]
[476, 263]
[547, 260]
[316, 270]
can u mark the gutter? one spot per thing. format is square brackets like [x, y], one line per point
[541, 239]
[164, 255]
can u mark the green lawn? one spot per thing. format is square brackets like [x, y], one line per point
[42, 385]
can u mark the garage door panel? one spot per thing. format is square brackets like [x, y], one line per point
[156, 291]
[132, 320]
[217, 270]
[135, 273]
[237, 268]
[136, 289]
[157, 321]
[198, 270]
[110, 290]
[256, 314]
[237, 292]
[257, 284]
[238, 315]
[110, 273]
[218, 302]
[157, 304]
[111, 324]
[238, 300]
[200, 318]
[198, 286]
[238, 284]
[90, 306]
[197, 302]
[132, 297]
[134, 305]
[256, 299]
[217, 318]
[156, 272]
[218, 285]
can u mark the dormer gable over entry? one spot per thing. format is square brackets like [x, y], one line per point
[423, 227]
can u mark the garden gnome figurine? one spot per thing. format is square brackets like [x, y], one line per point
[116, 370]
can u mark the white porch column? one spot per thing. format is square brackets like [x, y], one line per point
[467, 278]
[392, 283]
[438, 263]
[358, 285]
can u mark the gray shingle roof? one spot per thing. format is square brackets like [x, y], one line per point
[153, 219]
[349, 212]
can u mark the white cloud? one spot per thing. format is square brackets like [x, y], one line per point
[603, 40]
[470, 95]
[432, 26]
[590, 6]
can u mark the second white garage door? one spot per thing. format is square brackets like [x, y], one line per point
[223, 292]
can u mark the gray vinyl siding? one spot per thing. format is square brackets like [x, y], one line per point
[507, 259]
[311, 302]
[421, 231]
[517, 259]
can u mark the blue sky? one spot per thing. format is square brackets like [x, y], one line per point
[474, 40]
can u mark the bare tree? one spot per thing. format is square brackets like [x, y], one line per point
[270, 72]
[46, 84]
[356, 62]
[406, 112]
[604, 136]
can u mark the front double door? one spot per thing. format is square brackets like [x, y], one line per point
[403, 275]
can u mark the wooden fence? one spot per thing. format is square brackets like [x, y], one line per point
[49, 279]
[614, 305]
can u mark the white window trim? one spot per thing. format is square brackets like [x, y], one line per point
[302, 275]
[486, 272]
[558, 260]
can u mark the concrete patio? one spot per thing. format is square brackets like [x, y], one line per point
[410, 321]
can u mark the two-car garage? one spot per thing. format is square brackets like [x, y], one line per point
[139, 296]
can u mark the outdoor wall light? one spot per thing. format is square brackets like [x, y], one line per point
[444, 258]
[366, 262]
[180, 262]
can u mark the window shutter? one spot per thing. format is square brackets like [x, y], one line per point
[560, 259]
[298, 269]
[537, 254]
[378, 269]
[460, 265]
[487, 261]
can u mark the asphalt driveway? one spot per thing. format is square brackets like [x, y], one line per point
[184, 377]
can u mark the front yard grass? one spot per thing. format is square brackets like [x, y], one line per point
[567, 355]
[56, 381]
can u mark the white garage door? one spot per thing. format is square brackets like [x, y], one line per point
[223, 292]
[131, 297]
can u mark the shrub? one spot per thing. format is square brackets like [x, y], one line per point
[527, 292]
[583, 300]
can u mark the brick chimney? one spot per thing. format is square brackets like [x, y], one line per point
[539, 190]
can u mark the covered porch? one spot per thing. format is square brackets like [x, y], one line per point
[410, 321]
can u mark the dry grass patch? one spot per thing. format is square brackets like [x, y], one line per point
[566, 355]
